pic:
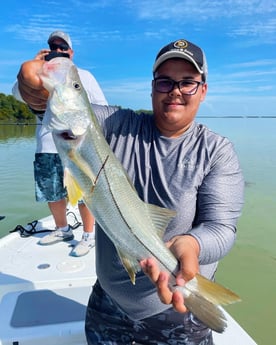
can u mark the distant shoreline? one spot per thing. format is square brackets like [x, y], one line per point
[198, 117]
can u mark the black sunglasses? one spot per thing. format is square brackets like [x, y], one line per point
[62, 46]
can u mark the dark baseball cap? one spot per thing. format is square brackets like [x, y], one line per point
[183, 49]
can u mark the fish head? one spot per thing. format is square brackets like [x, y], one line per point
[68, 105]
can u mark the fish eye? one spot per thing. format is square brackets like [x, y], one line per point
[77, 86]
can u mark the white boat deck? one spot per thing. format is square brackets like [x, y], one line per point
[44, 292]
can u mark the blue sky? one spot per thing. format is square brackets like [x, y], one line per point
[118, 41]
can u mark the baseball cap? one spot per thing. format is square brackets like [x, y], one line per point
[60, 34]
[183, 49]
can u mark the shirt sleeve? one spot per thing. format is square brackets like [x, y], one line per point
[219, 205]
[92, 87]
[16, 92]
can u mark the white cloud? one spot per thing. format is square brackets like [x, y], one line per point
[202, 9]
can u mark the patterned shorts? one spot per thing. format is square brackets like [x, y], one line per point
[107, 324]
[48, 175]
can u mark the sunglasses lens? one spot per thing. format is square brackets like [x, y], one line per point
[163, 85]
[62, 47]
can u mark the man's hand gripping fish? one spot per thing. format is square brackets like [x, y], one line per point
[94, 174]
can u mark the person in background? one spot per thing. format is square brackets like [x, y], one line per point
[48, 170]
[176, 163]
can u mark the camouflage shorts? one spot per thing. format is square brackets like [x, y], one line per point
[107, 324]
[48, 175]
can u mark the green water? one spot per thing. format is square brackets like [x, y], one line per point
[249, 269]
[18, 205]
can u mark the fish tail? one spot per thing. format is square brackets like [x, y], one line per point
[213, 291]
[203, 298]
[207, 312]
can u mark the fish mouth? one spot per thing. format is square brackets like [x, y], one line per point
[68, 135]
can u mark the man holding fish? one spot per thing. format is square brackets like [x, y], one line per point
[48, 171]
[183, 186]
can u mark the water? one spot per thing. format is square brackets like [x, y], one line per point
[249, 269]
[18, 205]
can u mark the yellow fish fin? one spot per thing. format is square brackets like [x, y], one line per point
[212, 291]
[204, 297]
[74, 190]
[130, 265]
[160, 217]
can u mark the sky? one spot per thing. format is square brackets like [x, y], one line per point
[117, 41]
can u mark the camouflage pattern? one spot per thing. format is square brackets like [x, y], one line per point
[48, 175]
[107, 324]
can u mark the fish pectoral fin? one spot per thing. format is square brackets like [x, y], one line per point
[212, 291]
[74, 190]
[77, 159]
[160, 217]
[130, 265]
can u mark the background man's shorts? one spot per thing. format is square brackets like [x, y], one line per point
[48, 175]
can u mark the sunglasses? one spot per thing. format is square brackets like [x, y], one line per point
[62, 46]
[186, 86]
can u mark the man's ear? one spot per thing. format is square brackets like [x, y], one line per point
[204, 92]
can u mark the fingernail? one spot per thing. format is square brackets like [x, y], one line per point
[175, 298]
[180, 282]
[162, 277]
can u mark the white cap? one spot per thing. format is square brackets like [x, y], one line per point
[62, 35]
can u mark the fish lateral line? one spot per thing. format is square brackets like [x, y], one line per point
[97, 176]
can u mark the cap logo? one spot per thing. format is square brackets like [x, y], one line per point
[180, 44]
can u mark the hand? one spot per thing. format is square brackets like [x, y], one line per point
[41, 54]
[30, 85]
[186, 250]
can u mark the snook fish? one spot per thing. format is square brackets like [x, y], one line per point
[93, 173]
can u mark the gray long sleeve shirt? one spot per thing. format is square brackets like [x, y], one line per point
[196, 174]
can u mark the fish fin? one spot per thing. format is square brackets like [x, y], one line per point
[203, 298]
[82, 165]
[130, 265]
[207, 312]
[212, 291]
[160, 217]
[74, 190]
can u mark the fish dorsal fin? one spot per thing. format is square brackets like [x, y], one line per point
[130, 264]
[74, 190]
[160, 217]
